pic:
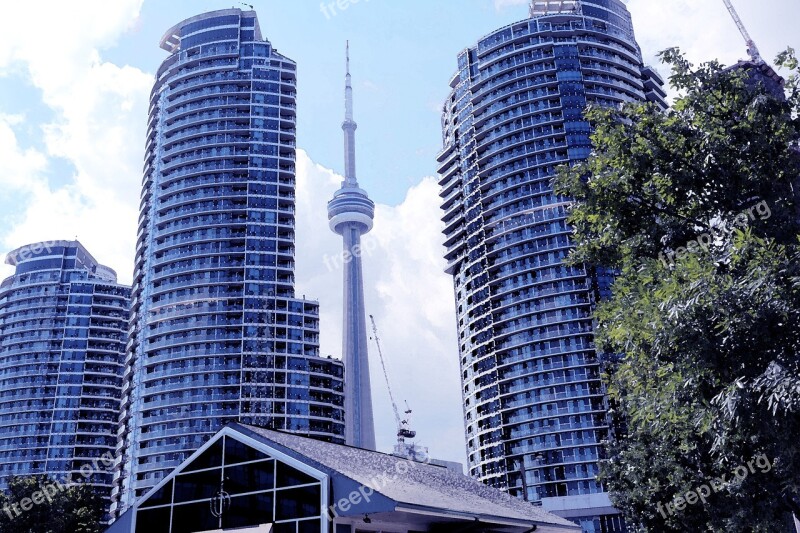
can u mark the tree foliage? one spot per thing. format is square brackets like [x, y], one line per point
[24, 508]
[697, 209]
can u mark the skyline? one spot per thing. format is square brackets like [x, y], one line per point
[40, 197]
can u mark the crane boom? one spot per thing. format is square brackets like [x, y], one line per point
[752, 49]
[385, 373]
[403, 431]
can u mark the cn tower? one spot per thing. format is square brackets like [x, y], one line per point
[350, 215]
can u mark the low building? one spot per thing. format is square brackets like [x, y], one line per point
[248, 479]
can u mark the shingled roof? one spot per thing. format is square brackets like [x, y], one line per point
[411, 485]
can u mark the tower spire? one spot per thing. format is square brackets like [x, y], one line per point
[349, 127]
[347, 69]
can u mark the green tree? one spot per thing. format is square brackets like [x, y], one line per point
[40, 505]
[697, 210]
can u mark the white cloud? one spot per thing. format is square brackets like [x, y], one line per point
[503, 4]
[68, 36]
[414, 306]
[705, 30]
[20, 168]
[99, 123]
[407, 291]
[99, 112]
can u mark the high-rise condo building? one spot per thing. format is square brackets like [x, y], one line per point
[350, 215]
[63, 328]
[217, 334]
[534, 406]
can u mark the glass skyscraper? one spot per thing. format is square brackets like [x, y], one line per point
[63, 327]
[217, 334]
[534, 406]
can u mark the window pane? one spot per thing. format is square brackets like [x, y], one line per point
[208, 459]
[193, 517]
[197, 486]
[304, 502]
[250, 510]
[290, 477]
[236, 452]
[249, 478]
[162, 497]
[308, 526]
[153, 520]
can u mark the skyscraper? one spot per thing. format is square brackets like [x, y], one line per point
[534, 405]
[217, 334]
[63, 327]
[350, 214]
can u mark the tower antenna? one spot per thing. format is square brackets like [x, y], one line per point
[752, 49]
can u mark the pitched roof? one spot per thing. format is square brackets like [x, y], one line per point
[413, 484]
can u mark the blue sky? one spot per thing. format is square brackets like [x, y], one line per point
[74, 91]
[403, 54]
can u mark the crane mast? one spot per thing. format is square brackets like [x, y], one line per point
[752, 49]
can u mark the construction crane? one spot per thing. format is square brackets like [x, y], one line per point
[404, 430]
[752, 49]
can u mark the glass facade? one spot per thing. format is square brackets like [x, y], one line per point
[534, 405]
[217, 334]
[231, 485]
[63, 327]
